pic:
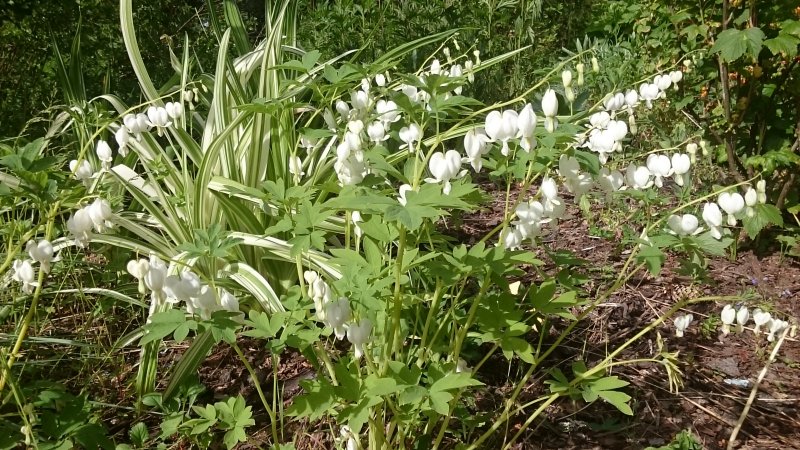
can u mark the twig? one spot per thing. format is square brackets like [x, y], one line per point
[754, 391]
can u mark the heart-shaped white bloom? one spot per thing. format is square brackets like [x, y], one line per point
[732, 204]
[475, 147]
[174, 110]
[24, 273]
[228, 301]
[684, 225]
[682, 323]
[158, 117]
[681, 163]
[83, 171]
[343, 109]
[649, 92]
[761, 189]
[80, 227]
[660, 166]
[409, 135]
[614, 102]
[104, 154]
[337, 314]
[676, 76]
[139, 268]
[41, 252]
[550, 103]
[549, 188]
[631, 98]
[610, 180]
[663, 82]
[566, 78]
[181, 287]
[123, 138]
[502, 127]
[377, 132]
[728, 315]
[742, 316]
[100, 213]
[511, 238]
[358, 335]
[526, 125]
[530, 212]
[776, 326]
[359, 99]
[568, 166]
[760, 318]
[444, 167]
[296, 166]
[387, 111]
[751, 196]
[713, 218]
[638, 177]
[600, 120]
[380, 80]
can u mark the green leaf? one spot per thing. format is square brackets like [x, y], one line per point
[163, 324]
[653, 257]
[763, 215]
[784, 43]
[608, 384]
[732, 44]
[618, 399]
[139, 434]
[454, 381]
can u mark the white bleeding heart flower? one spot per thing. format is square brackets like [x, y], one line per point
[526, 125]
[760, 318]
[502, 127]
[360, 100]
[206, 302]
[355, 217]
[742, 316]
[676, 76]
[566, 78]
[530, 212]
[568, 166]
[123, 138]
[660, 166]
[350, 171]
[511, 238]
[409, 135]
[649, 92]
[228, 302]
[713, 218]
[83, 171]
[388, 111]
[691, 149]
[380, 80]
[732, 204]
[358, 334]
[728, 315]
[750, 196]
[377, 132]
[80, 227]
[761, 189]
[181, 287]
[475, 146]
[24, 274]
[436, 67]
[681, 163]
[631, 98]
[550, 110]
[684, 225]
[136, 124]
[663, 82]
[444, 167]
[174, 110]
[610, 181]
[104, 154]
[337, 315]
[296, 167]
[776, 326]
[139, 268]
[343, 109]
[682, 323]
[638, 177]
[41, 252]
[155, 277]
[614, 102]
[158, 117]
[600, 120]
[100, 214]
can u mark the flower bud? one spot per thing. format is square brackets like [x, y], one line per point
[566, 78]
[595, 65]
[579, 67]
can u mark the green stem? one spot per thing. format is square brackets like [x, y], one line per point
[393, 333]
[271, 412]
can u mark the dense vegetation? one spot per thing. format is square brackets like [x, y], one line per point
[375, 201]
